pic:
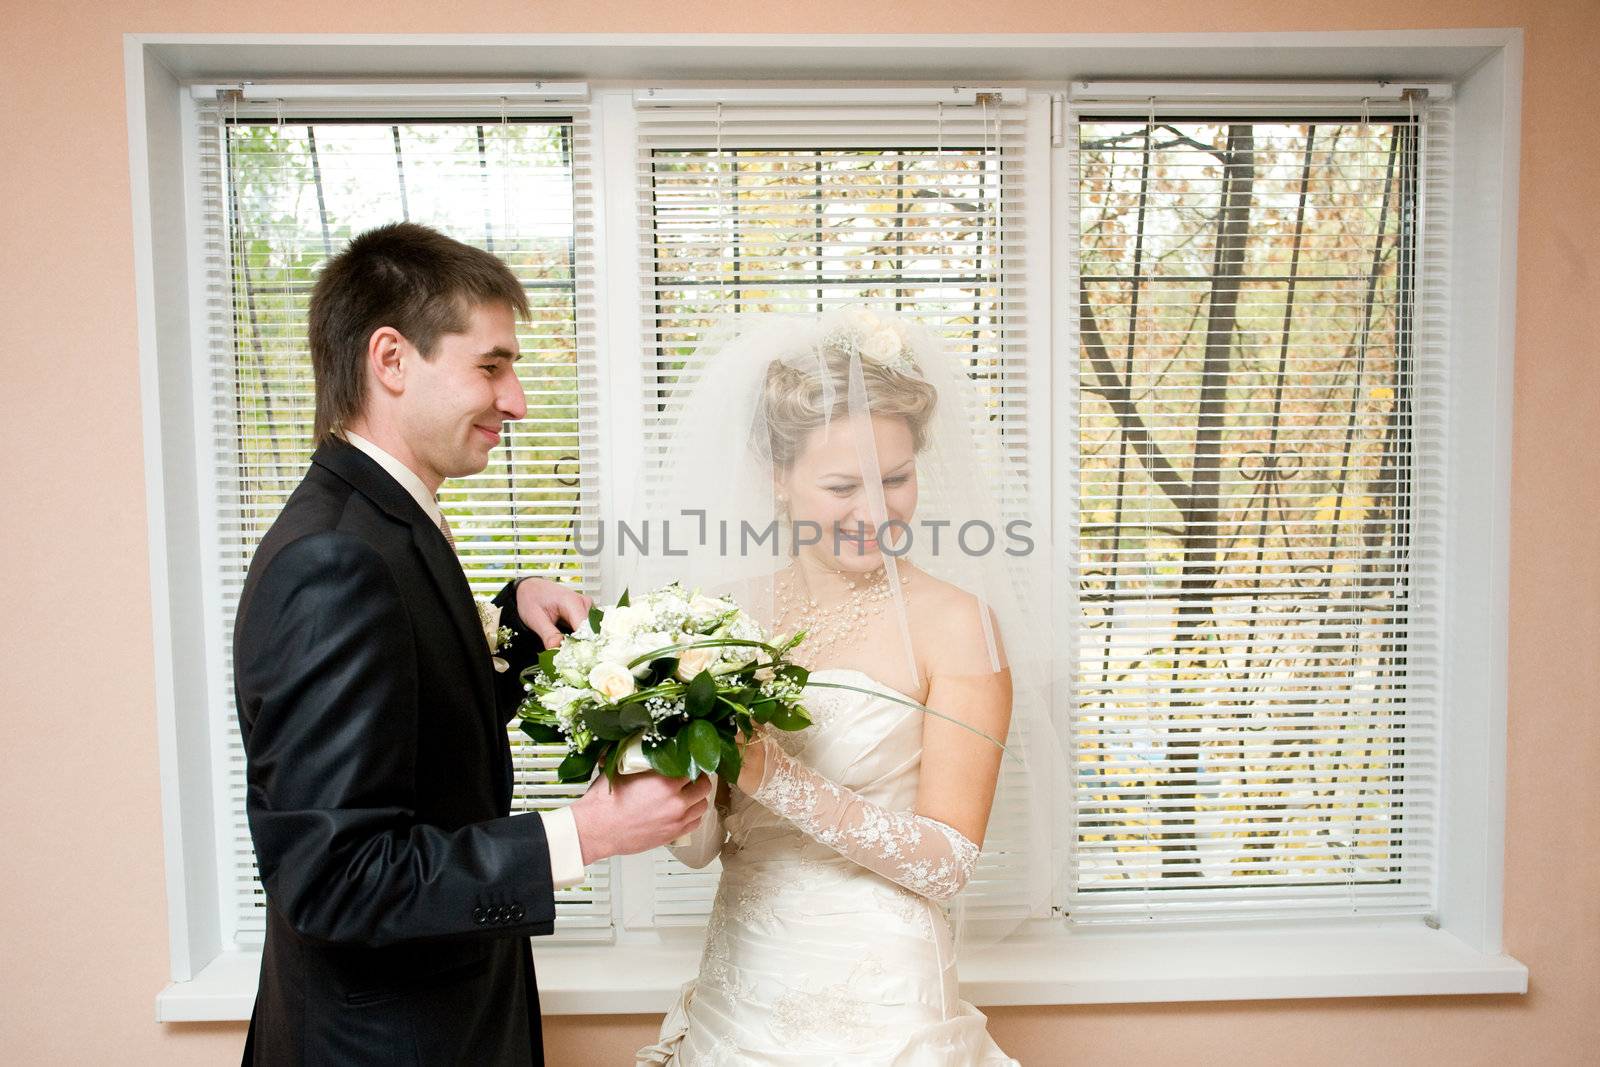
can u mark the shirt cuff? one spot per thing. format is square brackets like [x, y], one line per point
[566, 851]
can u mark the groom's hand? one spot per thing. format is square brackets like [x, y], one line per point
[543, 604]
[638, 813]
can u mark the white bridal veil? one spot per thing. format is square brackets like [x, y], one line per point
[970, 554]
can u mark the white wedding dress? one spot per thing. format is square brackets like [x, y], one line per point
[815, 958]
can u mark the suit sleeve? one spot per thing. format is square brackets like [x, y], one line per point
[327, 673]
[521, 652]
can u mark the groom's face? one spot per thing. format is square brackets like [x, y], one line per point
[456, 404]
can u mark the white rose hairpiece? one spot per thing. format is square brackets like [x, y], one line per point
[880, 340]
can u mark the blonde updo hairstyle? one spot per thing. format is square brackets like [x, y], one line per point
[792, 401]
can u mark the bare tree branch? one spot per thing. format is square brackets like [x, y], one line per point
[1109, 384]
[1178, 138]
[1204, 507]
[1202, 512]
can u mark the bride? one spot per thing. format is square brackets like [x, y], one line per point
[850, 849]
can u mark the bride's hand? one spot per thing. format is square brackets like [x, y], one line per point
[753, 760]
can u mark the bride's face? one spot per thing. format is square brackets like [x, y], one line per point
[825, 486]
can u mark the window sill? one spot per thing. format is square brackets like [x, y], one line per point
[1065, 967]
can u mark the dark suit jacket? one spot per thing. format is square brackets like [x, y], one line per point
[400, 895]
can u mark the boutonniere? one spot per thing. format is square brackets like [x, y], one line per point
[496, 635]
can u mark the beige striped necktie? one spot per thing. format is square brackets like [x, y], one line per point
[450, 539]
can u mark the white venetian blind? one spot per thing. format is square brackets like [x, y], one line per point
[1262, 372]
[285, 183]
[799, 201]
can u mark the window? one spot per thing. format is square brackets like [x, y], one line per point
[794, 201]
[1257, 727]
[286, 184]
[1252, 378]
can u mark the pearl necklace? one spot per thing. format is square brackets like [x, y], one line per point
[826, 626]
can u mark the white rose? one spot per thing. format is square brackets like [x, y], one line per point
[575, 653]
[705, 605]
[623, 620]
[562, 697]
[611, 681]
[695, 660]
[642, 645]
[860, 319]
[882, 346]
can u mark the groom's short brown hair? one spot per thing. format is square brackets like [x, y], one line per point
[404, 276]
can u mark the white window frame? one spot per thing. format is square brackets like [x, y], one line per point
[1457, 952]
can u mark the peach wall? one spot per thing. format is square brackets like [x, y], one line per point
[85, 943]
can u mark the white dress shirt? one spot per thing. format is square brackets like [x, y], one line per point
[560, 828]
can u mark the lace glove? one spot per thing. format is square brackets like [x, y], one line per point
[924, 855]
[705, 841]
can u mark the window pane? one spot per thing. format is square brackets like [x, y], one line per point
[1248, 735]
[294, 193]
[810, 214]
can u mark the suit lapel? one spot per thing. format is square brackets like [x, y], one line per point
[357, 468]
[445, 570]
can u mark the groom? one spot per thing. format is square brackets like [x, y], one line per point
[400, 892]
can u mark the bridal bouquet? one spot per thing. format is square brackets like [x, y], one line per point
[669, 680]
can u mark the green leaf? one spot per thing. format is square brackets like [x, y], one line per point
[789, 717]
[731, 761]
[701, 699]
[606, 723]
[705, 744]
[542, 733]
[794, 673]
[692, 768]
[596, 616]
[669, 758]
[547, 661]
[634, 717]
[622, 601]
[609, 767]
[577, 767]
